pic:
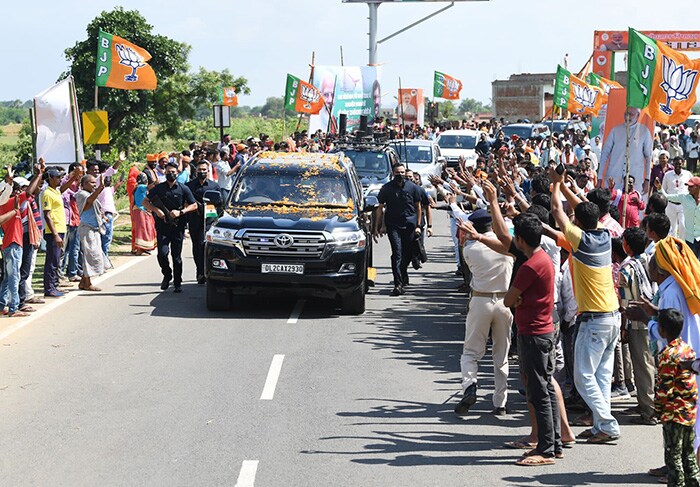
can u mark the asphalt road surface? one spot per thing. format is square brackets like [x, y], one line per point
[134, 386]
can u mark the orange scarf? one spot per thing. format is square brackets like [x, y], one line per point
[675, 257]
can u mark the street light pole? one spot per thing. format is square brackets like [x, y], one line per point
[373, 8]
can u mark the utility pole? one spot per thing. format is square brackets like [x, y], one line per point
[373, 10]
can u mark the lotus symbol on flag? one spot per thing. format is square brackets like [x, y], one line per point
[130, 58]
[585, 96]
[309, 95]
[452, 86]
[677, 84]
[229, 92]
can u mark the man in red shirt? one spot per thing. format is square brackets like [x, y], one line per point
[12, 244]
[532, 296]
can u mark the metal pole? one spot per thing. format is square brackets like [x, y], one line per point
[627, 171]
[373, 8]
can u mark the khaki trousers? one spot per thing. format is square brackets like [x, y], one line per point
[644, 370]
[487, 314]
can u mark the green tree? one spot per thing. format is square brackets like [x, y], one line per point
[132, 112]
[446, 109]
[473, 106]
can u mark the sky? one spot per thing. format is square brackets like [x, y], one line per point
[263, 40]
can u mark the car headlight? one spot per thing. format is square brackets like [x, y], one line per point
[224, 236]
[349, 240]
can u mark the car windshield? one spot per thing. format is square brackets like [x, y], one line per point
[522, 132]
[414, 153]
[370, 164]
[447, 141]
[557, 126]
[310, 187]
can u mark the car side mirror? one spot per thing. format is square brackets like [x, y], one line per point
[371, 202]
[213, 197]
[442, 160]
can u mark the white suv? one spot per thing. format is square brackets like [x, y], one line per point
[456, 143]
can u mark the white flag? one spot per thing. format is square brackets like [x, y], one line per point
[57, 126]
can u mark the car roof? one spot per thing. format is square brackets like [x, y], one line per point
[460, 132]
[335, 161]
[413, 142]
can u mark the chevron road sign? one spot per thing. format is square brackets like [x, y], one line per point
[95, 127]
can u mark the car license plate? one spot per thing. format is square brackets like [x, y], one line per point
[282, 268]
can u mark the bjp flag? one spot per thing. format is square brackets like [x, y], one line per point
[660, 79]
[228, 96]
[575, 95]
[604, 83]
[123, 65]
[445, 86]
[302, 97]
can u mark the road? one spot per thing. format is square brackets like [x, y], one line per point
[134, 386]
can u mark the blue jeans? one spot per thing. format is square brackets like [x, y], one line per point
[109, 229]
[9, 289]
[594, 355]
[70, 263]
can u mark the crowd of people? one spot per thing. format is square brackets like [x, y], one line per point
[595, 289]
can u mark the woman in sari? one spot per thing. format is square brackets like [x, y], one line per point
[143, 226]
[130, 188]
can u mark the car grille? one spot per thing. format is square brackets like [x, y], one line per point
[261, 243]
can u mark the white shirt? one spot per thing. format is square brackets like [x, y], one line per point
[490, 270]
[676, 183]
[222, 169]
[693, 149]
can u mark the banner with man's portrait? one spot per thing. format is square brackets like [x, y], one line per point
[353, 90]
[641, 134]
[411, 108]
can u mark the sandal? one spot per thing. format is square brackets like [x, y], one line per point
[27, 309]
[601, 438]
[568, 444]
[35, 301]
[585, 434]
[17, 314]
[535, 461]
[91, 288]
[521, 444]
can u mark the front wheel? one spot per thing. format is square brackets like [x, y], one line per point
[354, 303]
[218, 299]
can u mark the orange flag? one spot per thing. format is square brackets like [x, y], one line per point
[577, 96]
[446, 86]
[660, 79]
[228, 96]
[123, 65]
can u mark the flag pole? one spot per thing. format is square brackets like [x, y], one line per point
[96, 105]
[403, 124]
[330, 109]
[627, 171]
[311, 81]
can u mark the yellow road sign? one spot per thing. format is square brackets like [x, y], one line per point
[95, 127]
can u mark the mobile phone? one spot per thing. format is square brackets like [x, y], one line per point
[560, 168]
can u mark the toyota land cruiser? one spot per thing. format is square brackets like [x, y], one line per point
[293, 224]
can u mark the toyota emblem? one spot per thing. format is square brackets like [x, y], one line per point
[284, 240]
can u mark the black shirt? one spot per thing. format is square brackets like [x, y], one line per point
[401, 203]
[164, 198]
[198, 191]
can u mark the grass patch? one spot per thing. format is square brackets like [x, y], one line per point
[10, 133]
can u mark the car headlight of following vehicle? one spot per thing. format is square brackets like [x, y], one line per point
[349, 240]
[225, 236]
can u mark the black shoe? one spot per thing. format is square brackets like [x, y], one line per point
[499, 412]
[201, 279]
[467, 401]
[165, 284]
[458, 272]
[397, 291]
[178, 289]
[415, 262]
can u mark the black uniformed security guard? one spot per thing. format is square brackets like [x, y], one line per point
[401, 201]
[199, 185]
[169, 201]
